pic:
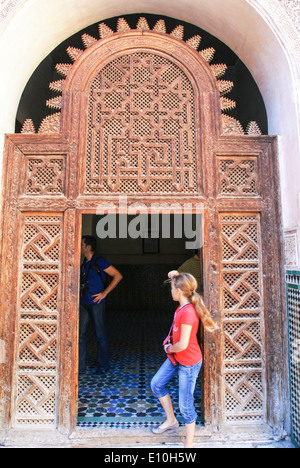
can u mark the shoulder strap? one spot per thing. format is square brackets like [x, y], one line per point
[176, 315]
[82, 267]
[99, 271]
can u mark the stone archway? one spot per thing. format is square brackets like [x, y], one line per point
[167, 148]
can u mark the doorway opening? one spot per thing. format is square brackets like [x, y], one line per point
[139, 313]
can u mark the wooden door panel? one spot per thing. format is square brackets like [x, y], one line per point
[243, 318]
[37, 330]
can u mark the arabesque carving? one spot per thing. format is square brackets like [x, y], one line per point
[141, 128]
[36, 362]
[243, 315]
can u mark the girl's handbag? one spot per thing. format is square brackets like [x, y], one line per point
[172, 358]
[168, 340]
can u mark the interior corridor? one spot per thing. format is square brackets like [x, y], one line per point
[139, 315]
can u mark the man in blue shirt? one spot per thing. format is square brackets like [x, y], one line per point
[93, 292]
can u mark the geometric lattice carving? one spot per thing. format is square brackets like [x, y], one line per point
[141, 130]
[51, 124]
[36, 360]
[238, 176]
[45, 175]
[242, 319]
[36, 399]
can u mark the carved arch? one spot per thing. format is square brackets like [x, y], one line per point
[155, 122]
[46, 193]
[51, 124]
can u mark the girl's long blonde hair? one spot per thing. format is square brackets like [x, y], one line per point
[188, 285]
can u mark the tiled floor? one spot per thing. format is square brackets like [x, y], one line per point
[122, 397]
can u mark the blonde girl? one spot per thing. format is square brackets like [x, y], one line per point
[187, 353]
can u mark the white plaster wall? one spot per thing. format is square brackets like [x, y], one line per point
[248, 27]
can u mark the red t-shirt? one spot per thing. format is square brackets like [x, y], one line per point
[192, 354]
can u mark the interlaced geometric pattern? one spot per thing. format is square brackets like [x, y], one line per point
[36, 361]
[242, 319]
[238, 176]
[293, 292]
[45, 175]
[141, 128]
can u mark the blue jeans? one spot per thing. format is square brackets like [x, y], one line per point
[187, 383]
[95, 312]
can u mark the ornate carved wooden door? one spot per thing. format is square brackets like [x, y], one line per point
[141, 116]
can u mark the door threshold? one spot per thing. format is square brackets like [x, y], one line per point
[134, 436]
[92, 432]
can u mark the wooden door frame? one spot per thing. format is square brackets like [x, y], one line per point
[18, 148]
[71, 203]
